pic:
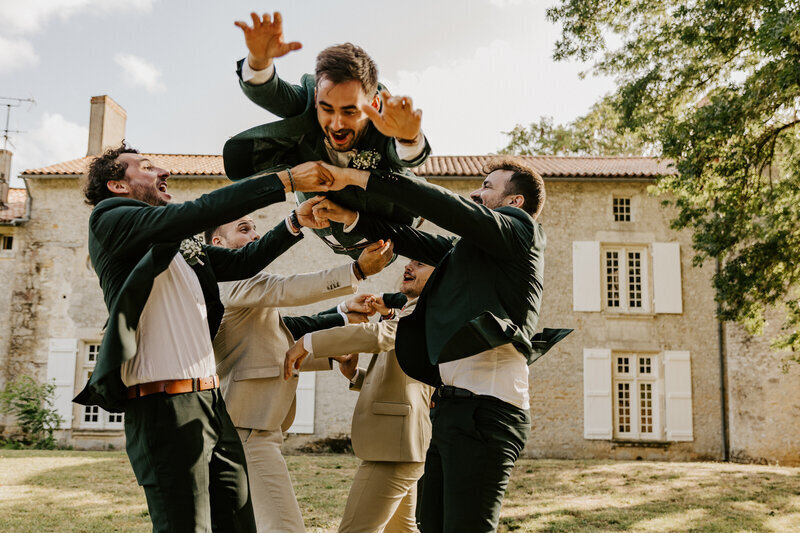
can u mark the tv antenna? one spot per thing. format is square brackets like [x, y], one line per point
[10, 102]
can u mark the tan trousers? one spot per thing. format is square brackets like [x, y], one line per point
[383, 498]
[274, 502]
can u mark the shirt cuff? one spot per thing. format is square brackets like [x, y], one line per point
[406, 152]
[348, 229]
[342, 310]
[260, 77]
[353, 278]
[307, 344]
[355, 376]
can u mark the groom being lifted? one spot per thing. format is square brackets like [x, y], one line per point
[340, 114]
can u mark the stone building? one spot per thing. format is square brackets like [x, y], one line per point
[649, 372]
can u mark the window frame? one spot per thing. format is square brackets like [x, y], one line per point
[635, 379]
[623, 278]
[622, 208]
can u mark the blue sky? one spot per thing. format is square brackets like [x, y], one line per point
[475, 67]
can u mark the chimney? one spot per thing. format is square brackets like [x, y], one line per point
[5, 177]
[106, 124]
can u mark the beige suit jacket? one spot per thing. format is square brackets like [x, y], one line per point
[391, 421]
[252, 342]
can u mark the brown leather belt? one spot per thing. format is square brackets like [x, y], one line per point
[173, 386]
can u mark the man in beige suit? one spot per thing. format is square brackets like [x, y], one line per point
[391, 427]
[250, 348]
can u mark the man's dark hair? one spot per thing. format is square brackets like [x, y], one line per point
[347, 62]
[524, 180]
[103, 169]
[209, 234]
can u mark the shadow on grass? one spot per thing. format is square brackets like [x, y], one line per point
[647, 497]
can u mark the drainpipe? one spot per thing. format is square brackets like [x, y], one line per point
[723, 379]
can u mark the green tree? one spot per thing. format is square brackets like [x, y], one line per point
[599, 133]
[717, 84]
[32, 404]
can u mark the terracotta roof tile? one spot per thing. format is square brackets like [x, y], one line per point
[16, 205]
[452, 166]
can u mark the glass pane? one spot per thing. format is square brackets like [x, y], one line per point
[612, 278]
[624, 407]
[635, 279]
[646, 407]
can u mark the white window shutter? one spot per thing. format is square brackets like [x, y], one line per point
[586, 276]
[304, 415]
[61, 370]
[667, 277]
[678, 393]
[597, 418]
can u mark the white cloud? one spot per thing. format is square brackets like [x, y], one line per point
[54, 140]
[15, 54]
[140, 72]
[470, 102]
[31, 16]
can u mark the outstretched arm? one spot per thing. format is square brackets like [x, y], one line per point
[495, 231]
[414, 244]
[265, 40]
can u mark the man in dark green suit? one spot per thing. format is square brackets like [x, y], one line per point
[340, 115]
[472, 332]
[156, 361]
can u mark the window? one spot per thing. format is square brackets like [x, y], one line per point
[625, 272]
[631, 396]
[617, 277]
[636, 402]
[7, 245]
[622, 209]
[92, 416]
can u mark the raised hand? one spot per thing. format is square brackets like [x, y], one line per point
[328, 210]
[375, 257]
[312, 176]
[265, 40]
[294, 358]
[379, 306]
[348, 365]
[397, 119]
[342, 177]
[359, 303]
[305, 214]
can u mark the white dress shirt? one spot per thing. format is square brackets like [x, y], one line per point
[172, 338]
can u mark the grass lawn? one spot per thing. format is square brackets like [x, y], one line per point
[64, 491]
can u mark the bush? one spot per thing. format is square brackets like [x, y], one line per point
[32, 404]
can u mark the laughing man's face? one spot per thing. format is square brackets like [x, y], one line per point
[339, 112]
[146, 182]
[415, 275]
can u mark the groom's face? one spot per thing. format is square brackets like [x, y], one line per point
[236, 234]
[339, 112]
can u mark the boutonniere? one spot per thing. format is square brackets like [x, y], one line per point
[192, 251]
[366, 160]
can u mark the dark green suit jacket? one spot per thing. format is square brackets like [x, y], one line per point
[486, 290]
[299, 138]
[131, 242]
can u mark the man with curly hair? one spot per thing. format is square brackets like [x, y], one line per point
[156, 361]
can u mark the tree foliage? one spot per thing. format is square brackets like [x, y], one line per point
[32, 404]
[717, 84]
[598, 133]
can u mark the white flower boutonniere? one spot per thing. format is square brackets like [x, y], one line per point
[192, 251]
[366, 160]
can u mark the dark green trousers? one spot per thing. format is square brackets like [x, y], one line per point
[474, 445]
[188, 458]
